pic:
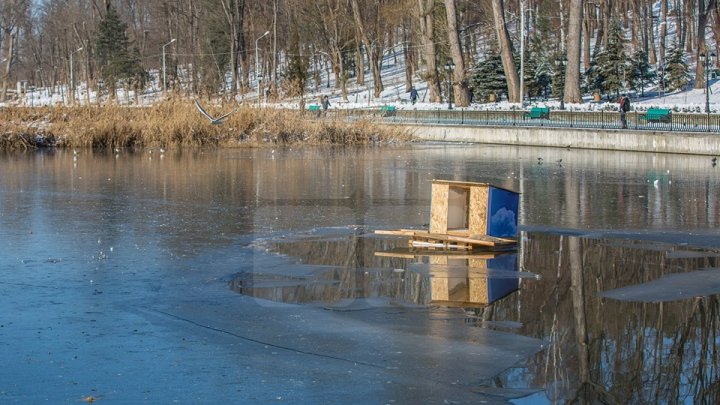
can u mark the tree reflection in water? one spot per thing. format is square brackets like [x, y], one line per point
[599, 350]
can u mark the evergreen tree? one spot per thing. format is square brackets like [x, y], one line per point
[594, 76]
[538, 66]
[115, 60]
[640, 72]
[677, 73]
[612, 62]
[489, 77]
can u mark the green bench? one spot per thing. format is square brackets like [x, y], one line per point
[658, 115]
[314, 107]
[387, 111]
[538, 113]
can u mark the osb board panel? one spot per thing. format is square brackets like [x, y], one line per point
[477, 263]
[479, 290]
[438, 260]
[439, 208]
[477, 221]
[439, 289]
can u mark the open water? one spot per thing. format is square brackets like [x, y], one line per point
[254, 275]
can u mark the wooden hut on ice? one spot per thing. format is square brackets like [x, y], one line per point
[466, 215]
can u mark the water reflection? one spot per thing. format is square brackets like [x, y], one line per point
[604, 350]
[334, 270]
[599, 349]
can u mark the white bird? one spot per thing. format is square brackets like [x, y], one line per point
[213, 120]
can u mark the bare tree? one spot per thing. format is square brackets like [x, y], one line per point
[704, 11]
[460, 85]
[367, 22]
[426, 9]
[12, 14]
[572, 70]
[506, 51]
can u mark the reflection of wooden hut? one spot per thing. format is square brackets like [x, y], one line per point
[465, 280]
[465, 215]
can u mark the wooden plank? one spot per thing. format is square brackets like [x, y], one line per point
[439, 208]
[399, 232]
[431, 237]
[411, 253]
[395, 255]
[443, 245]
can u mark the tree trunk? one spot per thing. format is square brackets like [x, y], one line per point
[460, 86]
[409, 59]
[360, 62]
[572, 70]
[373, 49]
[649, 33]
[588, 26]
[506, 51]
[703, 14]
[10, 42]
[229, 8]
[427, 32]
[663, 32]
[562, 24]
[716, 33]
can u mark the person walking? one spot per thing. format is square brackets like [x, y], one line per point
[325, 104]
[413, 95]
[624, 107]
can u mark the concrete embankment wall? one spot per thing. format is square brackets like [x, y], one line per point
[707, 143]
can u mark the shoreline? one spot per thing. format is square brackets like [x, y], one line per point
[179, 124]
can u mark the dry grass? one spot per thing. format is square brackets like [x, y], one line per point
[176, 123]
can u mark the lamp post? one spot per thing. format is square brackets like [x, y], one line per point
[560, 63]
[449, 66]
[522, 53]
[72, 76]
[164, 76]
[257, 62]
[707, 60]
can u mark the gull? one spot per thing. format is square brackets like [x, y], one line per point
[213, 120]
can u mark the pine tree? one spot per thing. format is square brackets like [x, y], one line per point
[594, 76]
[611, 62]
[677, 73]
[115, 60]
[640, 72]
[538, 68]
[489, 77]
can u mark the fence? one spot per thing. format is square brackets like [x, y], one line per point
[636, 120]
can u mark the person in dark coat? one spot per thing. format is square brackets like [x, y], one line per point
[413, 95]
[325, 103]
[624, 107]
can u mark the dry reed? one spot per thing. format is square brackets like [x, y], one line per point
[176, 123]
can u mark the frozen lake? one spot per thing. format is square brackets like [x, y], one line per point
[253, 275]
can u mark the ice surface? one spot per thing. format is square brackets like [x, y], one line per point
[671, 287]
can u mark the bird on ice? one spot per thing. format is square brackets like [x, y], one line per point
[213, 120]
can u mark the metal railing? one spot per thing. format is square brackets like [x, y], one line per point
[636, 120]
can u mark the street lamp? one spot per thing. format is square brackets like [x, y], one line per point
[257, 62]
[522, 53]
[72, 76]
[163, 54]
[449, 66]
[707, 59]
[560, 63]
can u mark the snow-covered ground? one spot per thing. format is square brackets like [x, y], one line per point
[393, 73]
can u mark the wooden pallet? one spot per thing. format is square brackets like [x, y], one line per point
[428, 240]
